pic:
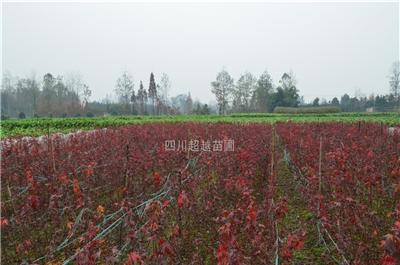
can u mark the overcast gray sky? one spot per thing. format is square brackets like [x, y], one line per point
[332, 48]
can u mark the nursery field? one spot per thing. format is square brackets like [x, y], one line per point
[204, 193]
[43, 126]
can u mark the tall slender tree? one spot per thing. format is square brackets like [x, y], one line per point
[188, 104]
[152, 94]
[133, 102]
[141, 96]
[86, 93]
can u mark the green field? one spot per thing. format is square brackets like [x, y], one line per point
[41, 126]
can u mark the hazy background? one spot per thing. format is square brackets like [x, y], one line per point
[332, 48]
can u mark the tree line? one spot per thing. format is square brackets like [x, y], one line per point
[58, 96]
[53, 96]
[251, 94]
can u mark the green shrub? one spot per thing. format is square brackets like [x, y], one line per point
[21, 115]
[301, 110]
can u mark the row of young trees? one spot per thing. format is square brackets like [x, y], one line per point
[250, 94]
[382, 103]
[389, 102]
[142, 102]
[155, 100]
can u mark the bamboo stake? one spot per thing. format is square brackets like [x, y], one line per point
[126, 167]
[319, 188]
[320, 165]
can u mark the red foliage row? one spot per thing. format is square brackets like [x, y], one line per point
[79, 197]
[351, 183]
[116, 195]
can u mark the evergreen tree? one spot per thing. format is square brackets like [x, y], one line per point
[152, 94]
[335, 102]
[345, 103]
[48, 93]
[205, 110]
[133, 102]
[286, 94]
[188, 104]
[262, 96]
[197, 109]
[124, 89]
[291, 96]
[316, 102]
[141, 98]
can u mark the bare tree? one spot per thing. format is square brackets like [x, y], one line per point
[74, 82]
[164, 87]
[124, 89]
[25, 96]
[86, 94]
[222, 88]
[394, 80]
[107, 102]
[77, 92]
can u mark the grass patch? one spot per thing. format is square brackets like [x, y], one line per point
[300, 217]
